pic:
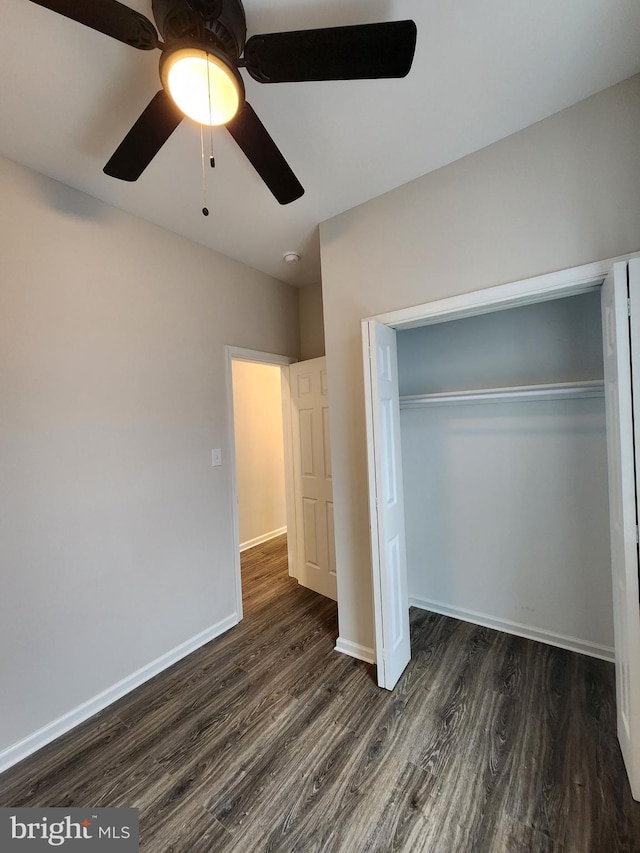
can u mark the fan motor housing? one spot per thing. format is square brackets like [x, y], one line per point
[220, 22]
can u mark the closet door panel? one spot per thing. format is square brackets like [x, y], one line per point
[391, 600]
[620, 304]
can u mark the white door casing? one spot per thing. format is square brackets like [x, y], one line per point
[388, 547]
[315, 564]
[621, 342]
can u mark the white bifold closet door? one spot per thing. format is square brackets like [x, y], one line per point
[388, 543]
[621, 340]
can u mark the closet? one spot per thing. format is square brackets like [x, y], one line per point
[495, 406]
[504, 463]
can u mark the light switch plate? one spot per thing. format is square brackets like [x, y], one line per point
[216, 457]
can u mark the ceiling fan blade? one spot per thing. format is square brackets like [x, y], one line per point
[361, 52]
[145, 139]
[264, 155]
[109, 17]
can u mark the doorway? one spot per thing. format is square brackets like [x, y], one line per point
[258, 384]
[260, 453]
[259, 443]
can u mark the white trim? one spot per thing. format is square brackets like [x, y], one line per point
[522, 393]
[573, 644]
[528, 291]
[289, 478]
[374, 519]
[258, 540]
[33, 742]
[355, 650]
[242, 354]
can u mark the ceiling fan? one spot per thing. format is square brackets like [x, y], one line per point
[204, 46]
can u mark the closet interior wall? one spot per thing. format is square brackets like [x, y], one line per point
[506, 504]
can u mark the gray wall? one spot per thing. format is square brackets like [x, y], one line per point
[116, 542]
[560, 193]
[311, 322]
[558, 341]
[506, 503]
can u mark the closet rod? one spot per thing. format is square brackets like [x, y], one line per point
[554, 391]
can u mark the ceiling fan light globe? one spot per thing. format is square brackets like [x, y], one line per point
[202, 85]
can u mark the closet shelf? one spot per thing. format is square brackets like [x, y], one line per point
[555, 391]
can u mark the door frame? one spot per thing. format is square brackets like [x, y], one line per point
[550, 286]
[257, 357]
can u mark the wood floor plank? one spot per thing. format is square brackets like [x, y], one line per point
[266, 739]
[43, 779]
[404, 824]
[514, 837]
[284, 793]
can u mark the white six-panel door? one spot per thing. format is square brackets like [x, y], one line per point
[315, 565]
[390, 593]
[620, 303]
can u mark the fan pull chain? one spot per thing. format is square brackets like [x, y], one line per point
[205, 209]
[212, 159]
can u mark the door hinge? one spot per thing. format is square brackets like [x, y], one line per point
[637, 535]
[628, 306]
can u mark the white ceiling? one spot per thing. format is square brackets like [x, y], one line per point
[482, 71]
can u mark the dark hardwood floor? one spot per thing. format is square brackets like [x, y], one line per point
[267, 739]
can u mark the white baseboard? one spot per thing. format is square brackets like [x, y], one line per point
[573, 644]
[251, 543]
[33, 742]
[354, 650]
